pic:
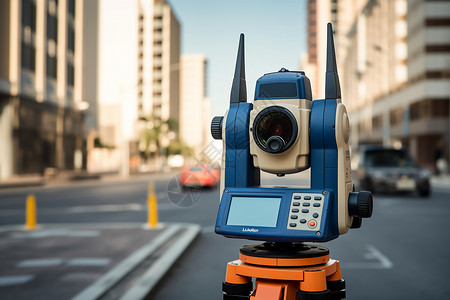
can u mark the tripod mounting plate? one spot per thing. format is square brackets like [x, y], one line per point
[284, 254]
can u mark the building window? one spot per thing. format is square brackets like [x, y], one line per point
[52, 27]
[71, 39]
[395, 116]
[70, 74]
[71, 7]
[29, 14]
[28, 55]
[51, 66]
[430, 108]
[377, 122]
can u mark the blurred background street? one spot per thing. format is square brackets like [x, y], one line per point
[103, 102]
[400, 253]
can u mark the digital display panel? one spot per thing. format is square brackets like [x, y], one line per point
[254, 211]
[278, 90]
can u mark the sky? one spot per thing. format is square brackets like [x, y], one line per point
[275, 37]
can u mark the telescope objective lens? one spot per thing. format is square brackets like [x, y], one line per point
[275, 129]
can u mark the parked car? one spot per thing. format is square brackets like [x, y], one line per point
[200, 176]
[382, 169]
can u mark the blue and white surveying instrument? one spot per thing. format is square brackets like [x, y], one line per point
[283, 132]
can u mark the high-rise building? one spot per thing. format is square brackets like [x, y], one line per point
[395, 76]
[139, 74]
[46, 62]
[194, 104]
[158, 55]
[320, 12]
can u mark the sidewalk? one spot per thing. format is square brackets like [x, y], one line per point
[89, 261]
[22, 181]
[441, 182]
[37, 180]
[70, 176]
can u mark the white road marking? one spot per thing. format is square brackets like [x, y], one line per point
[87, 277]
[381, 260]
[55, 233]
[40, 262]
[113, 276]
[159, 268]
[15, 280]
[88, 262]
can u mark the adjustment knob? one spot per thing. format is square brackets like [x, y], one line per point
[357, 221]
[360, 204]
[216, 127]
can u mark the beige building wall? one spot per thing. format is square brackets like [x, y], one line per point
[395, 58]
[41, 92]
[194, 105]
[158, 52]
[139, 70]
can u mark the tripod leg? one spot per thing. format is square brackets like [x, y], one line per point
[314, 286]
[275, 290]
[335, 284]
[236, 287]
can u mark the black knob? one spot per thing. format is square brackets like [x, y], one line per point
[360, 204]
[357, 221]
[216, 127]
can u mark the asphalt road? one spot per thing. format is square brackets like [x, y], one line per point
[402, 252]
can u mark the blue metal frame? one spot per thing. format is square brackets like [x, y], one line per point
[239, 169]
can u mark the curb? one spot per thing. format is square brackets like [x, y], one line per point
[136, 275]
[145, 279]
[18, 184]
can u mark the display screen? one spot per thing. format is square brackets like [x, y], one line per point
[254, 211]
[278, 90]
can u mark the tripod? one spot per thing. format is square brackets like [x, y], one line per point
[284, 271]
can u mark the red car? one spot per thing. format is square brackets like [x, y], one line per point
[199, 176]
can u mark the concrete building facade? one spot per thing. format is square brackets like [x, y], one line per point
[394, 65]
[395, 78]
[158, 60]
[139, 78]
[46, 60]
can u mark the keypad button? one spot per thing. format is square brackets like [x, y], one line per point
[292, 224]
[305, 210]
[293, 217]
[315, 215]
[295, 210]
[306, 204]
[312, 224]
[303, 221]
[297, 197]
[296, 203]
[316, 204]
[307, 197]
[317, 198]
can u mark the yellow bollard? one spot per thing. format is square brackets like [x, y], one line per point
[31, 212]
[152, 207]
